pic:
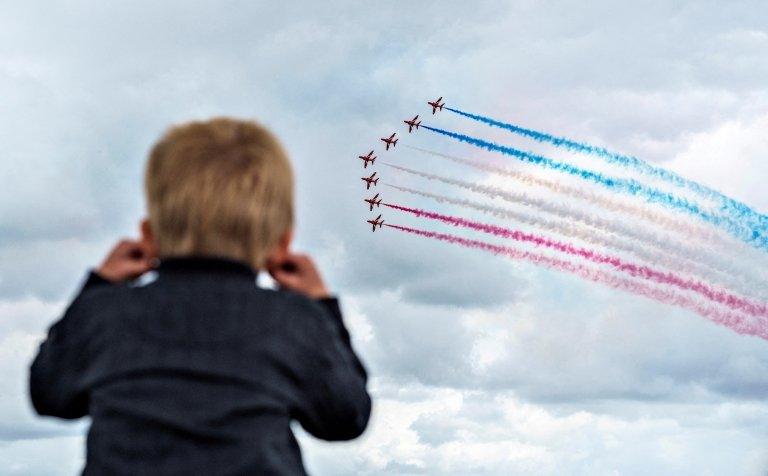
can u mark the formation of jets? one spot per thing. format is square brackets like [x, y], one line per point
[369, 158]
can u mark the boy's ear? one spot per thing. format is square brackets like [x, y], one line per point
[280, 252]
[148, 237]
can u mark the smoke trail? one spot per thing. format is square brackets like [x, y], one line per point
[735, 321]
[715, 261]
[752, 236]
[662, 256]
[671, 224]
[634, 270]
[740, 209]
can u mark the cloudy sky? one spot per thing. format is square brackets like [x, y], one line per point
[480, 365]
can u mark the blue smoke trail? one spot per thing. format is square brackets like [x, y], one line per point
[733, 207]
[752, 236]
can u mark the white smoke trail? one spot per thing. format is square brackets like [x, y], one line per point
[668, 223]
[703, 257]
[711, 238]
[660, 257]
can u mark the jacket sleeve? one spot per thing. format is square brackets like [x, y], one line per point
[335, 404]
[56, 375]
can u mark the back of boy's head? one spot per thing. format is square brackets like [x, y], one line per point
[220, 188]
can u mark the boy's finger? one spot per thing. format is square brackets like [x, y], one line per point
[298, 258]
[136, 253]
[288, 280]
[139, 250]
[125, 244]
[137, 246]
[135, 270]
[127, 248]
[288, 267]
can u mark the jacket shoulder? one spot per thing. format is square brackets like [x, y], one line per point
[88, 315]
[303, 315]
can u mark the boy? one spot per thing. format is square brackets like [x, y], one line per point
[200, 371]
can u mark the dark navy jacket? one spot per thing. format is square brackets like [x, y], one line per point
[200, 372]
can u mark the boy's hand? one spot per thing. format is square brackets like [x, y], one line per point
[299, 273]
[129, 259]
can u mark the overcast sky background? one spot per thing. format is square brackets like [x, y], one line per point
[480, 365]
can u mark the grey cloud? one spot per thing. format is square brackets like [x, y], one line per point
[415, 341]
[569, 350]
[51, 270]
[638, 351]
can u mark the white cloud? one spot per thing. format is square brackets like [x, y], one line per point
[16, 415]
[732, 157]
[43, 457]
[445, 431]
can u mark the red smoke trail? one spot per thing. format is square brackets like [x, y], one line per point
[719, 296]
[735, 321]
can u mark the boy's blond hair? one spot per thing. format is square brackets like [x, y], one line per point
[222, 188]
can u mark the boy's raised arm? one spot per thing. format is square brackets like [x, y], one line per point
[56, 376]
[331, 304]
[334, 403]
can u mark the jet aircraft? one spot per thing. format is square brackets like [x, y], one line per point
[390, 141]
[376, 222]
[370, 180]
[436, 104]
[373, 202]
[367, 159]
[413, 124]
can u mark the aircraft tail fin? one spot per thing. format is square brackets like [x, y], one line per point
[376, 181]
[395, 142]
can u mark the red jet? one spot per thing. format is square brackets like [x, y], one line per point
[370, 180]
[376, 222]
[413, 124]
[391, 141]
[436, 104]
[370, 158]
[373, 201]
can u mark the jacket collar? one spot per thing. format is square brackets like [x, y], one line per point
[206, 264]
